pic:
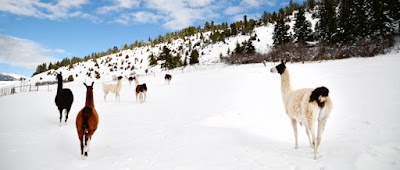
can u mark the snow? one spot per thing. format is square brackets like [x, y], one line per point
[224, 117]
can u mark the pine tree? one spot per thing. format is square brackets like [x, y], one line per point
[233, 29]
[381, 25]
[238, 49]
[360, 28]
[302, 28]
[152, 60]
[194, 57]
[281, 35]
[249, 47]
[245, 25]
[327, 24]
[345, 22]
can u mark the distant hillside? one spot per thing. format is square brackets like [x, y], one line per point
[10, 77]
[4, 77]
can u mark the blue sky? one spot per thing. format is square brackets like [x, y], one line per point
[37, 31]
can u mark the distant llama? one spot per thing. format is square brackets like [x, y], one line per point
[64, 98]
[113, 88]
[167, 78]
[87, 121]
[131, 78]
[141, 91]
[306, 106]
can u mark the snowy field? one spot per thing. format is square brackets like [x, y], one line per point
[223, 118]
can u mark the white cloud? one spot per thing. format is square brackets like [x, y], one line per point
[256, 3]
[25, 53]
[179, 14]
[141, 17]
[62, 9]
[118, 5]
[232, 10]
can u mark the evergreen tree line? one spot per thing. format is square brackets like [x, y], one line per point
[342, 23]
[218, 33]
[346, 29]
[170, 61]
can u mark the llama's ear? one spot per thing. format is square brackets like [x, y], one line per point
[85, 84]
[92, 83]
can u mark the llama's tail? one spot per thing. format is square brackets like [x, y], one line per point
[319, 95]
[87, 111]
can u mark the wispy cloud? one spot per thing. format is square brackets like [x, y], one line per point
[62, 9]
[183, 13]
[141, 17]
[118, 5]
[171, 14]
[25, 53]
[257, 3]
[232, 10]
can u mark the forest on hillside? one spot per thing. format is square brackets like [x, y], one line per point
[345, 29]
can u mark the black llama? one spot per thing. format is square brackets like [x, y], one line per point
[64, 98]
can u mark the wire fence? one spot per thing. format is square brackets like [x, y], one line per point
[22, 88]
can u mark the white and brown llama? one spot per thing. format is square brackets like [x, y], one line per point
[87, 121]
[167, 78]
[132, 79]
[306, 106]
[113, 88]
[141, 91]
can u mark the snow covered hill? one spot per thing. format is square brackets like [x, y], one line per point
[225, 117]
[136, 61]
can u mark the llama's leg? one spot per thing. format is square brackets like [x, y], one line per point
[66, 114]
[321, 128]
[82, 146]
[137, 95]
[61, 111]
[86, 146]
[294, 125]
[105, 95]
[309, 138]
[314, 143]
[144, 96]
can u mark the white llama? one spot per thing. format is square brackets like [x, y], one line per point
[113, 88]
[306, 106]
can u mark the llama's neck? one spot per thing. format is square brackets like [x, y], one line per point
[89, 99]
[119, 83]
[286, 86]
[60, 85]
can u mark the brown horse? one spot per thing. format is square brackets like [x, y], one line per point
[86, 121]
